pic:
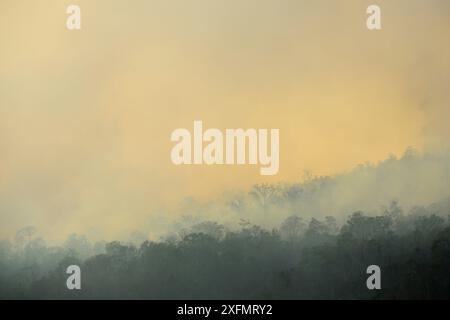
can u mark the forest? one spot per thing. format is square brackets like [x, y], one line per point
[298, 260]
[301, 257]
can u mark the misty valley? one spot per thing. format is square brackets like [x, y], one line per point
[267, 151]
[397, 252]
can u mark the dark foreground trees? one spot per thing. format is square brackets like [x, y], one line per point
[313, 259]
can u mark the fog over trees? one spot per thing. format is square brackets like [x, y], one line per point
[305, 254]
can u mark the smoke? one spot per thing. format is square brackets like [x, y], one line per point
[86, 116]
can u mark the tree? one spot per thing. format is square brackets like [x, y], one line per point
[292, 228]
[24, 235]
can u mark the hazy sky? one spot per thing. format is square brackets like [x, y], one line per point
[86, 116]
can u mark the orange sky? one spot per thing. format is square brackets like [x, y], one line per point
[86, 116]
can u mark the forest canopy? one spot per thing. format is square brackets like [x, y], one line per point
[297, 260]
[248, 254]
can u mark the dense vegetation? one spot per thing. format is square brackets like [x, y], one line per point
[299, 259]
